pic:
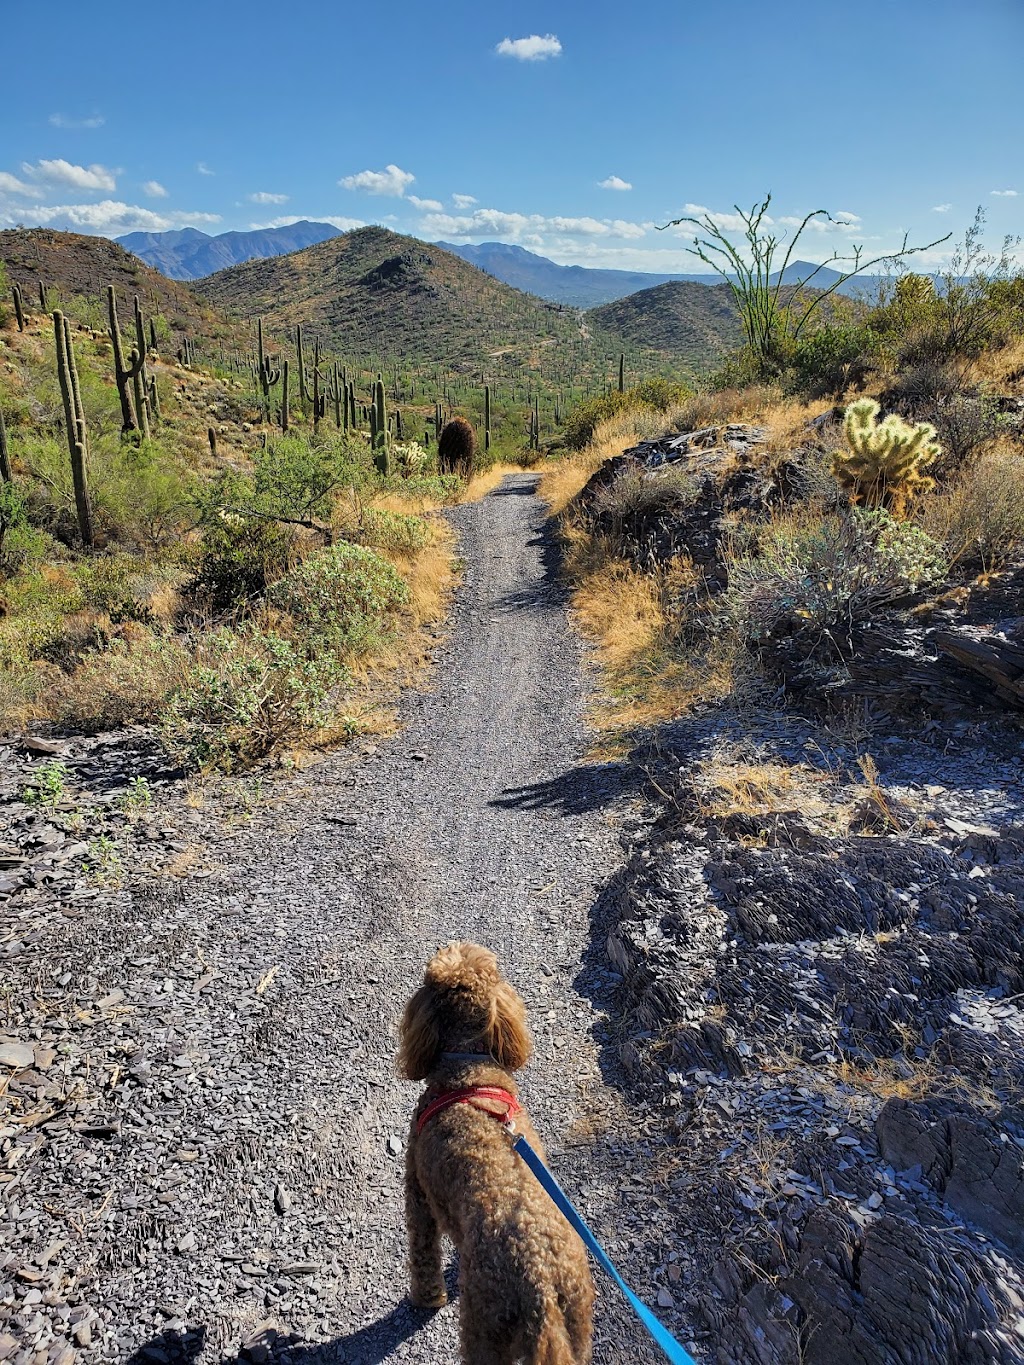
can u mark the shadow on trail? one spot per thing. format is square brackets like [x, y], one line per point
[577, 791]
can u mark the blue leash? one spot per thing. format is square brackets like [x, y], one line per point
[661, 1335]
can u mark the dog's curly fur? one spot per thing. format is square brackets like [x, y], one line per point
[524, 1284]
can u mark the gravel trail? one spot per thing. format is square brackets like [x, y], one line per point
[255, 1180]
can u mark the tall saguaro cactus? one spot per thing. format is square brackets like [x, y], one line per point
[19, 306]
[6, 476]
[268, 376]
[487, 417]
[284, 395]
[123, 374]
[74, 416]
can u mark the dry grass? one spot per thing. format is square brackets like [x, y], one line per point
[979, 518]
[487, 481]
[727, 786]
[1001, 370]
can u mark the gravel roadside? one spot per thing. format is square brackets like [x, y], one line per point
[240, 1184]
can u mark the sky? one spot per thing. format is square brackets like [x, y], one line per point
[572, 129]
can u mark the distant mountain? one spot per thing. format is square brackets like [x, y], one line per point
[681, 320]
[373, 293]
[189, 254]
[585, 287]
[576, 285]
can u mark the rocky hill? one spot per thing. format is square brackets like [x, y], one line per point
[189, 254]
[72, 266]
[682, 321]
[374, 293]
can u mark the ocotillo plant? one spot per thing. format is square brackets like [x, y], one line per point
[122, 373]
[284, 396]
[6, 475]
[19, 307]
[74, 416]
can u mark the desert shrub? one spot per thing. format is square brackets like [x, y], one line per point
[411, 458]
[716, 406]
[338, 599]
[638, 492]
[456, 448]
[825, 361]
[658, 395]
[239, 557]
[818, 576]
[294, 476]
[964, 423]
[128, 683]
[245, 694]
[883, 463]
[396, 531]
[979, 518]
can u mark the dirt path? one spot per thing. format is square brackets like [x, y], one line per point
[256, 1174]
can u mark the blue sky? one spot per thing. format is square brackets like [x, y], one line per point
[590, 124]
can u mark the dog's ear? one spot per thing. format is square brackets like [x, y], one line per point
[420, 1035]
[509, 1039]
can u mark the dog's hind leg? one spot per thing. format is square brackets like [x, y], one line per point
[426, 1281]
[552, 1345]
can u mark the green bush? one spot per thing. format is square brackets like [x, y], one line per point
[338, 599]
[824, 361]
[657, 394]
[246, 694]
[385, 530]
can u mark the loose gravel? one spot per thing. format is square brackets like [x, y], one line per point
[208, 1156]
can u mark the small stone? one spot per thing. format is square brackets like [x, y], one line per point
[282, 1199]
[874, 1200]
[665, 1299]
[395, 1145]
[187, 1243]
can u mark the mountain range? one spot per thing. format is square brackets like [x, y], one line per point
[188, 254]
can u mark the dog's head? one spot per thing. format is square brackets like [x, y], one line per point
[463, 1004]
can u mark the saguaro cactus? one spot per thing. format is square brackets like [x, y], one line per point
[266, 373]
[123, 373]
[19, 306]
[622, 373]
[74, 416]
[302, 366]
[487, 417]
[5, 455]
[284, 396]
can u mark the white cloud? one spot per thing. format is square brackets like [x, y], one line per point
[391, 181]
[532, 49]
[524, 227]
[154, 189]
[62, 172]
[728, 222]
[263, 197]
[10, 184]
[64, 121]
[1004, 194]
[108, 218]
[941, 208]
[433, 205]
[614, 182]
[342, 224]
[463, 201]
[204, 169]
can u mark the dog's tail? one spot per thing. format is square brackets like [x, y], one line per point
[552, 1346]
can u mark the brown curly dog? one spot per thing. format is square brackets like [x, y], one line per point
[525, 1290]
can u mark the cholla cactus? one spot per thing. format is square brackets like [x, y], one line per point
[884, 466]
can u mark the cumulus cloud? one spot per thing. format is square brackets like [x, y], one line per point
[463, 201]
[62, 172]
[524, 227]
[434, 205]
[342, 224]
[941, 208]
[154, 189]
[263, 197]
[614, 182]
[392, 180]
[1004, 194]
[531, 49]
[64, 121]
[204, 169]
[10, 184]
[108, 218]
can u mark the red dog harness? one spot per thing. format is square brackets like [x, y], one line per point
[471, 1094]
